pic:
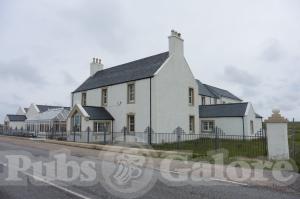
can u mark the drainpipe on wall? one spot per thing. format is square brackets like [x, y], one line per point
[150, 122]
[72, 100]
[112, 131]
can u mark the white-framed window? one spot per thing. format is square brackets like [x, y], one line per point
[191, 96]
[192, 124]
[101, 126]
[131, 122]
[83, 99]
[207, 126]
[203, 100]
[104, 97]
[130, 93]
[215, 100]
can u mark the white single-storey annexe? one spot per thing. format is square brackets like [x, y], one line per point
[14, 122]
[231, 119]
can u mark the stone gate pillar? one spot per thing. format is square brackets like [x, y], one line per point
[277, 136]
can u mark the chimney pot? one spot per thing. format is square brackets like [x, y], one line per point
[95, 66]
[176, 43]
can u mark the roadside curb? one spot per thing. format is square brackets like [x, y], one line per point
[118, 149]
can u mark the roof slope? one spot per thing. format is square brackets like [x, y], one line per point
[139, 69]
[44, 108]
[223, 110]
[203, 90]
[98, 113]
[16, 118]
[59, 114]
[221, 92]
[258, 116]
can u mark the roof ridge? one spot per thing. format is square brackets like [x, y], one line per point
[216, 87]
[120, 65]
[226, 104]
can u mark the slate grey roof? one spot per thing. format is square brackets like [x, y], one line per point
[16, 118]
[211, 91]
[44, 108]
[136, 70]
[203, 90]
[98, 113]
[258, 116]
[223, 110]
[221, 92]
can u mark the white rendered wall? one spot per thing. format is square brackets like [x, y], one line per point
[230, 125]
[32, 111]
[250, 115]
[117, 103]
[21, 111]
[170, 96]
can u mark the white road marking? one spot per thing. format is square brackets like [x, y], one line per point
[212, 179]
[52, 184]
[56, 186]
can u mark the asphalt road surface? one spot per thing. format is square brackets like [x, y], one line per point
[37, 187]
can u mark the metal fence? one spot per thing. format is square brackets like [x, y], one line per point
[17, 132]
[198, 144]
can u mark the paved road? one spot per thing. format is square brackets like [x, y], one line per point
[45, 189]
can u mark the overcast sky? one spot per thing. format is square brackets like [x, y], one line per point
[251, 48]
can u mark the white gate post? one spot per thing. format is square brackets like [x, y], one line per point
[277, 136]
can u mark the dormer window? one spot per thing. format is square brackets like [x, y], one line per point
[191, 96]
[83, 99]
[131, 93]
[104, 97]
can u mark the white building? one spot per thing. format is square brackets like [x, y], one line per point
[159, 92]
[232, 118]
[14, 122]
[47, 122]
[35, 117]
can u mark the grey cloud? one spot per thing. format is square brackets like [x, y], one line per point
[7, 108]
[273, 51]
[100, 20]
[68, 78]
[235, 75]
[22, 71]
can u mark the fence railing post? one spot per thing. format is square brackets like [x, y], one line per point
[104, 136]
[74, 133]
[293, 139]
[125, 129]
[216, 138]
[178, 131]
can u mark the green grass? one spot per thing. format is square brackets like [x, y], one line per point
[235, 148]
[295, 126]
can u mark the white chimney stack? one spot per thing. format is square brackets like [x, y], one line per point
[95, 66]
[175, 43]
